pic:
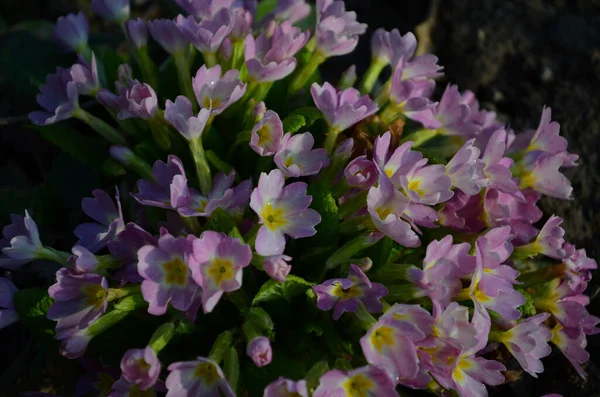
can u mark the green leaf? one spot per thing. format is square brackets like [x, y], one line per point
[231, 367]
[32, 307]
[221, 221]
[264, 7]
[325, 204]
[216, 162]
[299, 118]
[272, 289]
[65, 170]
[342, 364]
[42, 29]
[315, 373]
[88, 150]
[28, 68]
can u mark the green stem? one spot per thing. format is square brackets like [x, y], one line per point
[210, 59]
[100, 126]
[192, 224]
[364, 318]
[55, 255]
[420, 137]
[383, 94]
[401, 292]
[306, 72]
[392, 272]
[370, 77]
[526, 251]
[161, 337]
[185, 79]
[221, 345]
[389, 114]
[331, 139]
[160, 133]
[148, 68]
[261, 93]
[231, 367]
[238, 54]
[202, 167]
[106, 321]
[353, 246]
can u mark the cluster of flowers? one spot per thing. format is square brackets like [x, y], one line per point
[486, 279]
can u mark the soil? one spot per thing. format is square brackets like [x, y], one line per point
[518, 56]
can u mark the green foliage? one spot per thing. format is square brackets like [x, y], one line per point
[221, 221]
[65, 170]
[301, 118]
[264, 8]
[528, 308]
[275, 290]
[27, 70]
[88, 150]
[32, 307]
[216, 162]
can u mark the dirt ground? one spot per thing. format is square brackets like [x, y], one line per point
[518, 56]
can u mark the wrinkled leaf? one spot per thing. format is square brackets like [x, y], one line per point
[221, 221]
[300, 118]
[32, 307]
[273, 290]
[89, 150]
[325, 204]
[27, 59]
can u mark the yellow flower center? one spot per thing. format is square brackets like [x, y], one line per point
[273, 218]
[96, 295]
[383, 212]
[458, 373]
[136, 392]
[289, 161]
[358, 386]
[143, 365]
[351, 292]
[176, 272]
[208, 372]
[264, 135]
[221, 269]
[389, 172]
[104, 384]
[527, 180]
[414, 186]
[481, 296]
[207, 102]
[556, 338]
[382, 336]
[202, 205]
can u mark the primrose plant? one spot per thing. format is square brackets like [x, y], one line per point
[275, 234]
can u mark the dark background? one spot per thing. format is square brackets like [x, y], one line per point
[517, 56]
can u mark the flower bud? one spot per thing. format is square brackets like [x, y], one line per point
[137, 32]
[259, 350]
[112, 10]
[277, 267]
